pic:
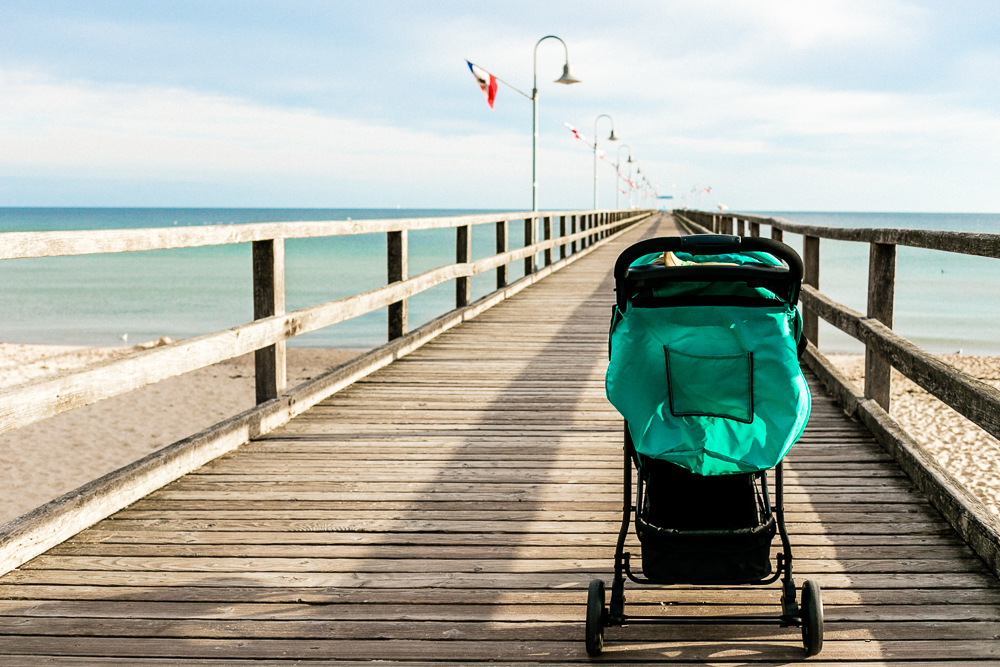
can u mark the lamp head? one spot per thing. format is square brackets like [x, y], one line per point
[567, 76]
[612, 137]
[630, 159]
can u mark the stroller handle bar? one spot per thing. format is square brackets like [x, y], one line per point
[710, 244]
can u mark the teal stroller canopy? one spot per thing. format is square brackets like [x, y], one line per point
[704, 346]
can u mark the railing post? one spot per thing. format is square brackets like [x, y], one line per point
[501, 248]
[777, 234]
[562, 234]
[810, 320]
[463, 252]
[755, 229]
[396, 252]
[529, 239]
[546, 236]
[572, 230]
[268, 258]
[881, 292]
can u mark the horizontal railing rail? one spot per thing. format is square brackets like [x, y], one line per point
[565, 237]
[17, 245]
[885, 349]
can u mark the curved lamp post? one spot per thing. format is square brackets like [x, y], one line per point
[612, 137]
[618, 172]
[567, 78]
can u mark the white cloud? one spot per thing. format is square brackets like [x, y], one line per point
[78, 129]
[834, 22]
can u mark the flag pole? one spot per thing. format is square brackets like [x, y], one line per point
[611, 138]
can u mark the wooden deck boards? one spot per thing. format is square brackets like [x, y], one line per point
[453, 507]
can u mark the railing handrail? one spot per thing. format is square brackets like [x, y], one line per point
[24, 245]
[965, 243]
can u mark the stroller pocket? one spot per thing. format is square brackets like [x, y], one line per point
[710, 386]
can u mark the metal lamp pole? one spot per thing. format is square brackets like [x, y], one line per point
[630, 178]
[567, 78]
[610, 138]
[618, 173]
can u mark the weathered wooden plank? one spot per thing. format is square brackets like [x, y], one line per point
[487, 580]
[561, 630]
[881, 291]
[397, 271]
[483, 651]
[270, 374]
[380, 563]
[868, 599]
[966, 243]
[570, 608]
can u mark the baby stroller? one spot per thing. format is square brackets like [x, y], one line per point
[704, 346]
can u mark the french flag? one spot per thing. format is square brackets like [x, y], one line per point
[487, 82]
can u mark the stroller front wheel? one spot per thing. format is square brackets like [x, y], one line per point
[812, 617]
[596, 614]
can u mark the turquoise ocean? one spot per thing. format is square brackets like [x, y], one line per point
[944, 302]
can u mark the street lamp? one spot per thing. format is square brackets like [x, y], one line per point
[612, 137]
[618, 172]
[567, 78]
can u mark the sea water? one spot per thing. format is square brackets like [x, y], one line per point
[944, 302]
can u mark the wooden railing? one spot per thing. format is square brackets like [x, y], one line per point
[566, 236]
[885, 349]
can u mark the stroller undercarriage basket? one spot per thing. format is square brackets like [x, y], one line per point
[724, 538]
[704, 348]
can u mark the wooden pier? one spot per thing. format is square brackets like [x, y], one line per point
[452, 508]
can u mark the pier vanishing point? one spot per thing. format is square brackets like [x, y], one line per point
[447, 497]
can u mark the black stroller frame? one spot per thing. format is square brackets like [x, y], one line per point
[808, 616]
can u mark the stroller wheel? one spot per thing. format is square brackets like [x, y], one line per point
[595, 617]
[812, 617]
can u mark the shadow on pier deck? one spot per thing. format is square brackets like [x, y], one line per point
[453, 506]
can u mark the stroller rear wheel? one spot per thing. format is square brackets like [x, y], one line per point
[812, 617]
[596, 613]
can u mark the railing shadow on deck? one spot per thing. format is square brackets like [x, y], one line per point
[570, 233]
[884, 349]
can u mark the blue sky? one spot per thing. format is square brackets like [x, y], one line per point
[777, 105]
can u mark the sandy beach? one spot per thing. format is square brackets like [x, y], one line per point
[45, 460]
